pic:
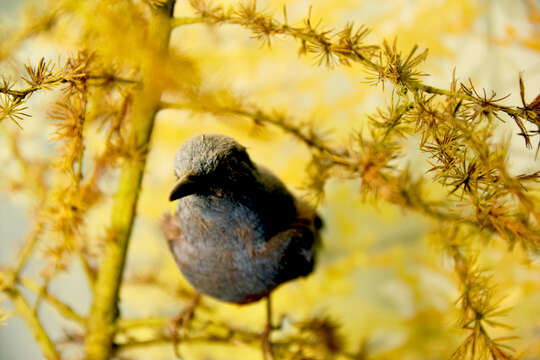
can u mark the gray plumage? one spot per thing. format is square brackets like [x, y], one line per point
[238, 232]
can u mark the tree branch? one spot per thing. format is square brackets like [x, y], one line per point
[330, 47]
[47, 347]
[62, 308]
[104, 310]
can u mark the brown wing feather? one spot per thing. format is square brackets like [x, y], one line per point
[171, 230]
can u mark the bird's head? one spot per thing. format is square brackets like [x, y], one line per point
[208, 163]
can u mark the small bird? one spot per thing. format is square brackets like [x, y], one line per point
[238, 233]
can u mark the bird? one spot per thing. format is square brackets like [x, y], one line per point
[238, 233]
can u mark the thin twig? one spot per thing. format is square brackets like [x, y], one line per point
[45, 344]
[64, 309]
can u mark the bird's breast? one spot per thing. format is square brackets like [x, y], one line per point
[221, 222]
[220, 237]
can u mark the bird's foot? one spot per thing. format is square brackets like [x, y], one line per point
[265, 336]
[182, 321]
[266, 343]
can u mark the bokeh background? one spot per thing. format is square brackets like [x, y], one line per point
[379, 275]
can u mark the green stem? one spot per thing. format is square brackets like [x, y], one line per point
[101, 325]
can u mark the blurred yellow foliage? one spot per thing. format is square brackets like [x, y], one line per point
[395, 280]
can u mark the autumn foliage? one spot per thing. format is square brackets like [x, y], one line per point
[117, 74]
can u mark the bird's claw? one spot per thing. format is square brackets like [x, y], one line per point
[182, 321]
[265, 335]
[266, 343]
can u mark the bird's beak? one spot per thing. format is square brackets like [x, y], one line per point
[185, 186]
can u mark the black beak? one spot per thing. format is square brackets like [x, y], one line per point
[185, 186]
